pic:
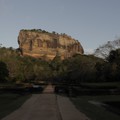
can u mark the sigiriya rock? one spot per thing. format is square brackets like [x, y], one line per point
[41, 44]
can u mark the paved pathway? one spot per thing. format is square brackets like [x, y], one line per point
[49, 89]
[47, 107]
[38, 107]
[68, 110]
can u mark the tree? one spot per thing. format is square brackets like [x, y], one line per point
[4, 73]
[114, 60]
[114, 56]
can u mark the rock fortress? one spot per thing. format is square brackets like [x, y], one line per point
[42, 44]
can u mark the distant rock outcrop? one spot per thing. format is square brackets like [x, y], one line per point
[104, 50]
[42, 44]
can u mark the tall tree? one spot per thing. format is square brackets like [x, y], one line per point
[4, 73]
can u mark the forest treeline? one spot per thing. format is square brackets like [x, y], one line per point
[15, 68]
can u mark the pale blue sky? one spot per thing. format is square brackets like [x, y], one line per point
[92, 22]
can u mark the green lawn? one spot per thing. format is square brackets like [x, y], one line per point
[10, 102]
[96, 112]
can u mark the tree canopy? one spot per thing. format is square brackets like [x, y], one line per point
[74, 70]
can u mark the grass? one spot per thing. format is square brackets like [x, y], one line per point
[103, 84]
[96, 112]
[10, 102]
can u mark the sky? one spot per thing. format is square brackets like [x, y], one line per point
[92, 22]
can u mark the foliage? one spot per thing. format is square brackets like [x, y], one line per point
[23, 69]
[3, 72]
[109, 70]
[81, 68]
[114, 56]
[75, 70]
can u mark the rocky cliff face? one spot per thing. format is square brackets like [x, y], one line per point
[42, 44]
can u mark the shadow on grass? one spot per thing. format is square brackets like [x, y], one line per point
[95, 112]
[9, 102]
[11, 98]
